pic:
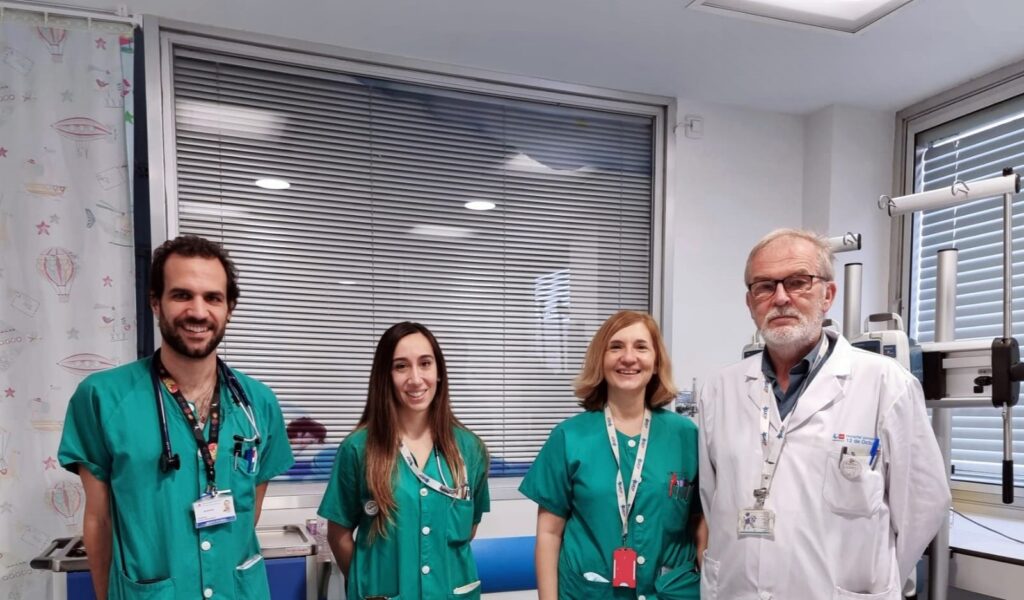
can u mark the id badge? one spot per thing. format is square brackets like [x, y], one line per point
[755, 521]
[624, 568]
[214, 509]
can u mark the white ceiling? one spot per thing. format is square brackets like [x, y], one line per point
[654, 46]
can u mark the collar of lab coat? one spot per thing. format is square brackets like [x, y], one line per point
[826, 388]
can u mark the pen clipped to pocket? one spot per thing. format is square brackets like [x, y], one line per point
[679, 487]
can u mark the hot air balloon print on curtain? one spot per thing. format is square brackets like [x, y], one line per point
[65, 498]
[82, 130]
[58, 266]
[54, 38]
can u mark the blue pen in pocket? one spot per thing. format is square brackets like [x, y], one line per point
[251, 460]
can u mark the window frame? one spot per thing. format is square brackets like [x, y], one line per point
[162, 36]
[977, 94]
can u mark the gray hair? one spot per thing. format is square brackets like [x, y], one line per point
[825, 254]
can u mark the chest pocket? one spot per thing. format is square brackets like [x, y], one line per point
[462, 573]
[673, 499]
[852, 492]
[460, 521]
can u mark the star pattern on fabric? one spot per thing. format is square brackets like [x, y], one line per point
[72, 334]
[43, 227]
[6, 507]
[108, 282]
[67, 96]
[3, 152]
[50, 464]
[101, 43]
[9, 392]
[55, 219]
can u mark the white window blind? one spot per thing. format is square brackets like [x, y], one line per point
[977, 146]
[374, 231]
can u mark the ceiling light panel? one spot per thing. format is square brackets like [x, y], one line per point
[849, 16]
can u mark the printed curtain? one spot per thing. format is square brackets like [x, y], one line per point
[67, 299]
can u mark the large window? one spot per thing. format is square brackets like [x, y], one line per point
[376, 228]
[972, 147]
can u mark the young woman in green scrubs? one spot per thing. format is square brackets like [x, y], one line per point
[616, 485]
[409, 485]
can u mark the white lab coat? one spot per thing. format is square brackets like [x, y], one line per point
[835, 538]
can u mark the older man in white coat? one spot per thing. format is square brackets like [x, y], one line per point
[819, 473]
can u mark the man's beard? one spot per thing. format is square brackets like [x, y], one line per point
[806, 330]
[177, 343]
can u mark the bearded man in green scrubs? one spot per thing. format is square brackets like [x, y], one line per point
[167, 515]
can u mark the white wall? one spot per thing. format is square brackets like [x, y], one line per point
[847, 166]
[742, 179]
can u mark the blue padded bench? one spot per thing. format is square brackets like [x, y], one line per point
[505, 564]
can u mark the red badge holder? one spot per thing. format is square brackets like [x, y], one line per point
[624, 568]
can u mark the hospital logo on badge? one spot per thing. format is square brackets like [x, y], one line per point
[371, 508]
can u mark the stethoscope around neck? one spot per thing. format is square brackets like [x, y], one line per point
[169, 460]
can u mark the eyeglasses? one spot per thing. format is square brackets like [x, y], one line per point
[794, 284]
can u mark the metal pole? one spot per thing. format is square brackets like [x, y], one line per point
[1007, 265]
[853, 275]
[942, 419]
[945, 294]
[1007, 333]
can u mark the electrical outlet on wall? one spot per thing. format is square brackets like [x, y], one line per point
[693, 126]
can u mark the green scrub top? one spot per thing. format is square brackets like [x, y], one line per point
[574, 478]
[112, 429]
[425, 552]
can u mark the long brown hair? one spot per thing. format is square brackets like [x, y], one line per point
[380, 419]
[592, 389]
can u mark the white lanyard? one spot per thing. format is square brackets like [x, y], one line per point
[442, 487]
[771, 448]
[626, 500]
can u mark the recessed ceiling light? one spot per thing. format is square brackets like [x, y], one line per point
[272, 183]
[479, 205]
[849, 16]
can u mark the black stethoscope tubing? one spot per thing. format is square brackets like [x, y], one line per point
[168, 459]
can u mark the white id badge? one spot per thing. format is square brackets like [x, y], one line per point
[756, 522]
[214, 509]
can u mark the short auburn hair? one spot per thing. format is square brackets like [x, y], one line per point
[590, 386]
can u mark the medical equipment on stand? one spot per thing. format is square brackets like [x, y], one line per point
[892, 342]
[957, 373]
[686, 401]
